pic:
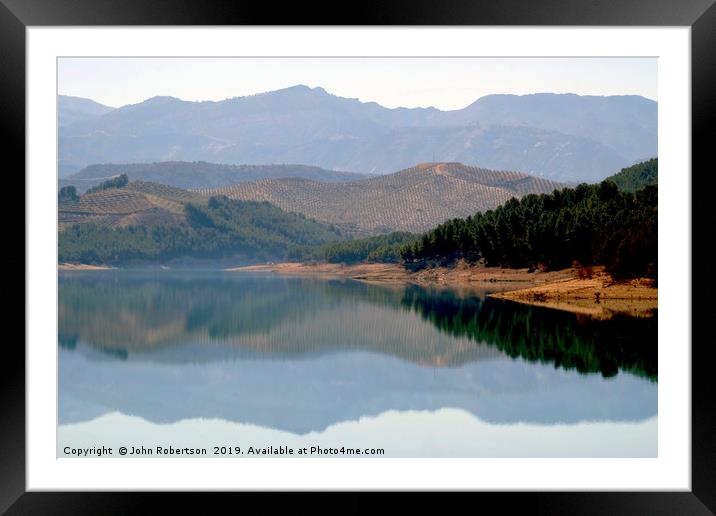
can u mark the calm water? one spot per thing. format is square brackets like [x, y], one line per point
[204, 359]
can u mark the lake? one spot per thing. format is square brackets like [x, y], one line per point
[250, 362]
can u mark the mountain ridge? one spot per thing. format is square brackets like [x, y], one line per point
[74, 109]
[565, 137]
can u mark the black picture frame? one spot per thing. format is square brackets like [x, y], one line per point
[700, 15]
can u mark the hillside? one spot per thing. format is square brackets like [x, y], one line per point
[560, 137]
[413, 200]
[152, 222]
[199, 174]
[139, 203]
[637, 176]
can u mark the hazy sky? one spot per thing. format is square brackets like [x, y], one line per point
[445, 83]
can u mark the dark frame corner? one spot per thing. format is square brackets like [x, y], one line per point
[700, 15]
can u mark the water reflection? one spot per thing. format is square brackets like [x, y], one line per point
[137, 313]
[302, 355]
[542, 334]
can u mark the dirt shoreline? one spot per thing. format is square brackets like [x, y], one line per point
[82, 267]
[596, 294]
[599, 296]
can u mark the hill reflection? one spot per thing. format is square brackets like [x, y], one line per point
[198, 317]
[303, 354]
[543, 335]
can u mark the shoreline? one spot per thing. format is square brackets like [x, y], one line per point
[83, 267]
[597, 295]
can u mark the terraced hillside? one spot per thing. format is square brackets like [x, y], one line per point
[140, 203]
[414, 199]
[149, 222]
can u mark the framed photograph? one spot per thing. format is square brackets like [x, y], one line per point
[413, 250]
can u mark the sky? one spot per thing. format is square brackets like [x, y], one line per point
[445, 83]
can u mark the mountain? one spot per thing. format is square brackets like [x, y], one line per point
[626, 124]
[199, 174]
[538, 152]
[560, 137]
[414, 199]
[152, 222]
[77, 109]
[637, 176]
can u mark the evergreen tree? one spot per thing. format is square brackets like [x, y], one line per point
[68, 194]
[590, 224]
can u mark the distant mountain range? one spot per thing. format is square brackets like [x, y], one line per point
[414, 199]
[562, 137]
[182, 174]
[77, 109]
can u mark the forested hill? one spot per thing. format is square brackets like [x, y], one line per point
[592, 224]
[413, 200]
[151, 222]
[637, 176]
[199, 174]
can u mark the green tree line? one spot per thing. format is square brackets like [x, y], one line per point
[592, 224]
[377, 249]
[116, 182]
